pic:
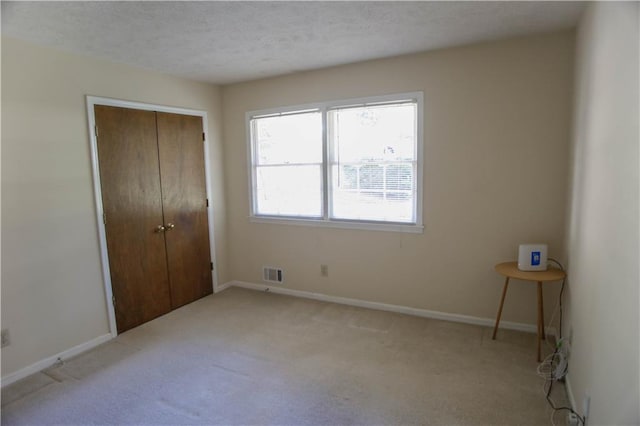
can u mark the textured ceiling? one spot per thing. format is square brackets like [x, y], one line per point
[224, 42]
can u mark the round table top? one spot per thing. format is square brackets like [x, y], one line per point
[510, 269]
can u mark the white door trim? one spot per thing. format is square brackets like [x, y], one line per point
[97, 189]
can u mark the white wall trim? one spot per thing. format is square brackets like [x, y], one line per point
[48, 362]
[425, 313]
[337, 224]
[223, 287]
[104, 254]
[209, 190]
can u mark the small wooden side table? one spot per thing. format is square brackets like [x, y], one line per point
[510, 270]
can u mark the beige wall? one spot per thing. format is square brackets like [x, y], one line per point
[497, 126]
[604, 214]
[52, 288]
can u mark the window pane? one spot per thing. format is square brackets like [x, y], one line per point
[380, 195]
[373, 170]
[400, 176]
[288, 139]
[374, 133]
[371, 177]
[289, 190]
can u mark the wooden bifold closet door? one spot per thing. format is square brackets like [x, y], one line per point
[152, 178]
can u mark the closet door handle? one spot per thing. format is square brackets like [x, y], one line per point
[170, 226]
[159, 229]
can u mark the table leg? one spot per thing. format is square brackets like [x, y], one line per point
[540, 319]
[504, 293]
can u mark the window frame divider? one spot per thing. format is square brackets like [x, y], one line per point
[326, 199]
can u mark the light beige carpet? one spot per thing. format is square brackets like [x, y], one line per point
[246, 357]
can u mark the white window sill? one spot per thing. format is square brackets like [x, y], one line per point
[366, 226]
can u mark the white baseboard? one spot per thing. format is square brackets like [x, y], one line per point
[222, 287]
[48, 362]
[467, 319]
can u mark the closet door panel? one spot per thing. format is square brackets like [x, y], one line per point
[181, 153]
[131, 196]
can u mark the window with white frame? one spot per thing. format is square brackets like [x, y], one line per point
[348, 163]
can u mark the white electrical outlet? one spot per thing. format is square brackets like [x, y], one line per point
[6, 340]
